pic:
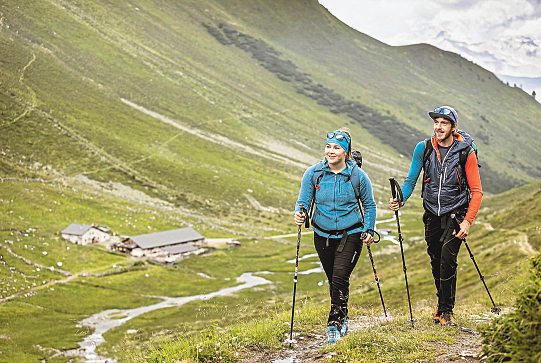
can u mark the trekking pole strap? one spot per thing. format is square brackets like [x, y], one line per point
[363, 236]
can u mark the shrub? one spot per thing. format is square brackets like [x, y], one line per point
[517, 336]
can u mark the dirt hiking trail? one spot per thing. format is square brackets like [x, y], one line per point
[306, 349]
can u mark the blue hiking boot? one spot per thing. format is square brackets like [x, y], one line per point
[344, 329]
[333, 335]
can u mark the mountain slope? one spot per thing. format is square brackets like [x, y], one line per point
[149, 95]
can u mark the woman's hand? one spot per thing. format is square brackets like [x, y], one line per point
[367, 239]
[300, 217]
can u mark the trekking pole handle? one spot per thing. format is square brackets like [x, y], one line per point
[396, 190]
[455, 222]
[393, 189]
[363, 236]
[305, 212]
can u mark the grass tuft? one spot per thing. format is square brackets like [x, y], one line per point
[216, 344]
[516, 336]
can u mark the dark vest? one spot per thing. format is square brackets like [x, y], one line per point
[447, 188]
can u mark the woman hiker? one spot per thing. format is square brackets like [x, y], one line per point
[339, 227]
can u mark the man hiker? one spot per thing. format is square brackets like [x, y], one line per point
[451, 185]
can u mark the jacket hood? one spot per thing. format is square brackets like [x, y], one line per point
[463, 136]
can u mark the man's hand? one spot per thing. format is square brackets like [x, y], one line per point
[367, 239]
[394, 204]
[464, 229]
[300, 217]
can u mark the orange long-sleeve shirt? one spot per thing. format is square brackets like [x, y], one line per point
[474, 183]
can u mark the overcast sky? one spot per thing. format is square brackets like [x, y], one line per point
[503, 36]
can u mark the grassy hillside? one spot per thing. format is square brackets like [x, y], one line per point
[200, 101]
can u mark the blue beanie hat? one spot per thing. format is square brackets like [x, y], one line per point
[343, 139]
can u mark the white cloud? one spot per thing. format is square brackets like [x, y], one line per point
[502, 36]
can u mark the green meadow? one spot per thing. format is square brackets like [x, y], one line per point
[504, 265]
[254, 319]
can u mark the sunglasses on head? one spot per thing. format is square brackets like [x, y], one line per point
[338, 135]
[445, 112]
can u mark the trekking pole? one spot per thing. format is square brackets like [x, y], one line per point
[376, 274]
[290, 340]
[495, 309]
[394, 187]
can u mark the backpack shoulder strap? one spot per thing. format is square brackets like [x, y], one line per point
[356, 181]
[463, 156]
[318, 173]
[426, 157]
[316, 178]
[466, 152]
[428, 150]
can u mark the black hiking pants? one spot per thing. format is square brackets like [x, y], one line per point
[443, 249]
[338, 267]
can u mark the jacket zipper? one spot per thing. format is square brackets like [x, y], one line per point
[445, 174]
[335, 214]
[442, 175]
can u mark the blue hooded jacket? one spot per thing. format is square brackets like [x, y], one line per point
[336, 205]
